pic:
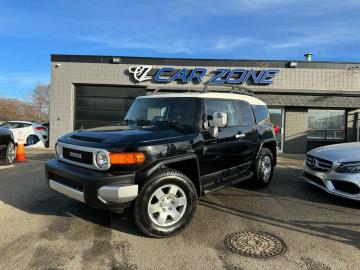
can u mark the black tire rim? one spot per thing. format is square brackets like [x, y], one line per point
[31, 140]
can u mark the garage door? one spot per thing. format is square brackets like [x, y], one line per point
[98, 105]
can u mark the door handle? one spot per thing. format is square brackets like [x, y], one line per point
[239, 135]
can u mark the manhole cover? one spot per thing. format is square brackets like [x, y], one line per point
[255, 244]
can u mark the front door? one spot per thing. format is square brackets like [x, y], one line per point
[248, 134]
[223, 156]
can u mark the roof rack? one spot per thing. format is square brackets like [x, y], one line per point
[235, 89]
[180, 89]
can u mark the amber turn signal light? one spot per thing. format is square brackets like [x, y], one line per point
[127, 158]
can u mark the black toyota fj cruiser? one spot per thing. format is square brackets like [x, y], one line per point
[171, 149]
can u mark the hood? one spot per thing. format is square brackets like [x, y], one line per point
[126, 135]
[342, 152]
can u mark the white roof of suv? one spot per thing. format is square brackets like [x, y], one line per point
[251, 100]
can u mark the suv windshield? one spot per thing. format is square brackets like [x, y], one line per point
[174, 112]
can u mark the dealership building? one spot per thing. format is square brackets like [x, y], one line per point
[313, 103]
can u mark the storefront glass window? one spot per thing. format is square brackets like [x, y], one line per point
[326, 124]
[276, 118]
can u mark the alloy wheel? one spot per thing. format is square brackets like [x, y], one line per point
[11, 153]
[167, 205]
[266, 168]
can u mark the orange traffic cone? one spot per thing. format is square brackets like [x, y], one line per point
[20, 150]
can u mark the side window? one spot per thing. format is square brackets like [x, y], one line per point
[227, 106]
[19, 125]
[261, 113]
[246, 116]
[13, 125]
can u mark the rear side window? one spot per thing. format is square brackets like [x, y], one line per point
[245, 113]
[261, 113]
[226, 106]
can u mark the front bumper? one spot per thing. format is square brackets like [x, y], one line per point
[329, 181]
[98, 189]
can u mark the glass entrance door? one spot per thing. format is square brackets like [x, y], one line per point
[277, 119]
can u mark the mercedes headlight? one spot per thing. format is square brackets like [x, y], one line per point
[349, 168]
[102, 160]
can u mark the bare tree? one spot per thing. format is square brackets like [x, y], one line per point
[35, 109]
[14, 109]
[40, 99]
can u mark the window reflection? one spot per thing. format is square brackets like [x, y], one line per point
[326, 124]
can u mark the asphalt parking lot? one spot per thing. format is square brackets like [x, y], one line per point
[40, 229]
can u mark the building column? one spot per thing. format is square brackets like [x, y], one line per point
[296, 129]
[353, 117]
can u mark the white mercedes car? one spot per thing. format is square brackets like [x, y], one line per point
[335, 169]
[32, 132]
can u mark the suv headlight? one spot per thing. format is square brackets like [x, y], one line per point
[57, 151]
[102, 160]
[348, 168]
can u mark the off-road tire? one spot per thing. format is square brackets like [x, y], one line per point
[259, 180]
[161, 178]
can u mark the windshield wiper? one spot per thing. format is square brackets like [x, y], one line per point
[139, 122]
[166, 123]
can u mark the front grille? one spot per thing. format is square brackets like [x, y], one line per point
[66, 182]
[313, 179]
[81, 155]
[347, 187]
[318, 164]
[78, 155]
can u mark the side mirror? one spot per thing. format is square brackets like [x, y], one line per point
[219, 120]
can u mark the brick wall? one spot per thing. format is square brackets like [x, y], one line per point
[296, 127]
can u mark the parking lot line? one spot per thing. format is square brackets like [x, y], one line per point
[6, 167]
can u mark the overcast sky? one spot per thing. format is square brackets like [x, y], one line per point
[239, 29]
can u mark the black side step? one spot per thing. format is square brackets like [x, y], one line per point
[231, 183]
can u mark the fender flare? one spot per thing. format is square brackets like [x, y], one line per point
[261, 146]
[152, 167]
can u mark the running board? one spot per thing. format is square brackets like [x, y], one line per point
[231, 183]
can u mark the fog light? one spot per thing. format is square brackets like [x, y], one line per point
[102, 160]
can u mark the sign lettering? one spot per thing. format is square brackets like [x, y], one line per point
[196, 75]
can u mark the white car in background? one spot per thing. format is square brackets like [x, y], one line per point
[32, 132]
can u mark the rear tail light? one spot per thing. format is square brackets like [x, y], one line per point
[40, 128]
[277, 129]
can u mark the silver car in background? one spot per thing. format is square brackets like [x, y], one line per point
[335, 168]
